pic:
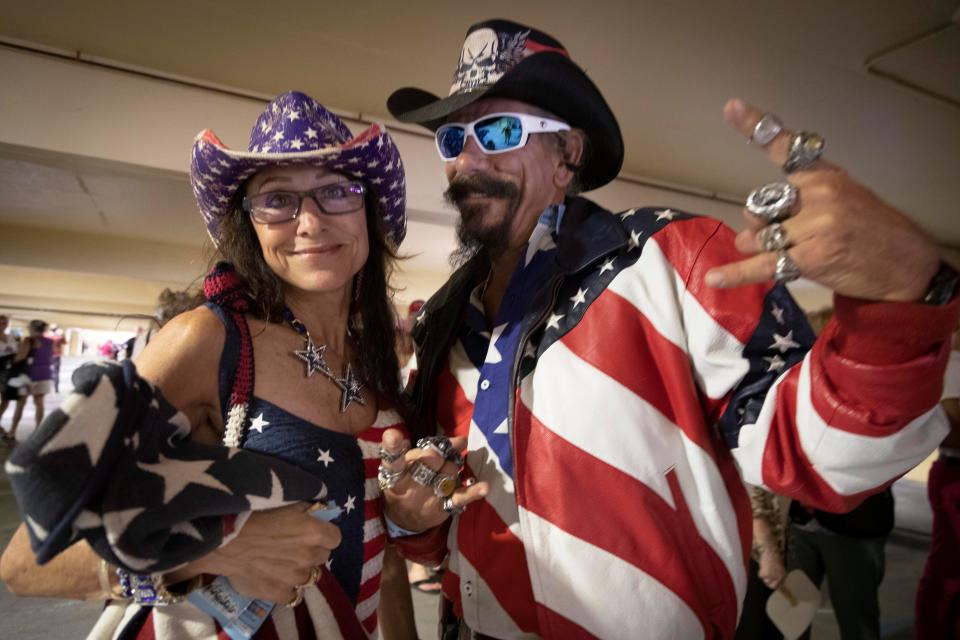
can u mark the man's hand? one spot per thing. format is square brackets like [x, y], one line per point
[415, 507]
[274, 553]
[844, 237]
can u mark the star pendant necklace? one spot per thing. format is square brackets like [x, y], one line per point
[312, 355]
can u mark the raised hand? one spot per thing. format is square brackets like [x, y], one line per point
[416, 506]
[838, 233]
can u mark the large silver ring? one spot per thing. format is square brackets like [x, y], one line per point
[806, 148]
[787, 270]
[388, 479]
[772, 201]
[443, 447]
[448, 507]
[766, 130]
[390, 458]
[773, 238]
[422, 474]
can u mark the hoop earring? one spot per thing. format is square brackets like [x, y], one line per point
[357, 286]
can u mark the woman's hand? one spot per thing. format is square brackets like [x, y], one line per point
[273, 554]
[772, 571]
[416, 507]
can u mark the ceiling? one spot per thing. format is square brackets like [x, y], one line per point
[665, 68]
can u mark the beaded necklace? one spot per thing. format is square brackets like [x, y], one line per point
[312, 355]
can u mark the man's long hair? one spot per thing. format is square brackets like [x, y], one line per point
[372, 317]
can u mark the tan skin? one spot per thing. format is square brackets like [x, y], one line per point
[316, 256]
[540, 171]
[845, 237]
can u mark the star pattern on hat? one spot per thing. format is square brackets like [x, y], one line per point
[295, 123]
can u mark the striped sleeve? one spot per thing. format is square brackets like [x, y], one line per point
[825, 422]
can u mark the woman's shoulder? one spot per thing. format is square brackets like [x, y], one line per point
[192, 339]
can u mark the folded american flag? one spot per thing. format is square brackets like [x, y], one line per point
[115, 465]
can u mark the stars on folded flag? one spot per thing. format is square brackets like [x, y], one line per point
[350, 504]
[784, 343]
[627, 214]
[776, 363]
[607, 266]
[554, 321]
[177, 474]
[296, 143]
[634, 241]
[666, 214]
[311, 133]
[777, 313]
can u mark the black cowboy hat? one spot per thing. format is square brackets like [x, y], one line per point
[503, 59]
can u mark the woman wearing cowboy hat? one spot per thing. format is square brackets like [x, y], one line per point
[292, 356]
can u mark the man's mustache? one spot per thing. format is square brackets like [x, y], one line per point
[463, 187]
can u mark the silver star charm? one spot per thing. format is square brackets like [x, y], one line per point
[351, 388]
[313, 357]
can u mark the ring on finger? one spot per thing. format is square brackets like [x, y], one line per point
[449, 507]
[422, 474]
[773, 201]
[768, 128]
[443, 447]
[774, 238]
[786, 270]
[390, 458]
[297, 599]
[806, 147]
[388, 479]
[444, 485]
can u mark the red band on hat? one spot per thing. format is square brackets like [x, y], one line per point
[211, 137]
[535, 47]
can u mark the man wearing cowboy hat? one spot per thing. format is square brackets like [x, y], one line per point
[616, 375]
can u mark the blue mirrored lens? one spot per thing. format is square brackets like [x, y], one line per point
[450, 142]
[497, 134]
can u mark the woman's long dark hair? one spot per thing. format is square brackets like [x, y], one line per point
[372, 319]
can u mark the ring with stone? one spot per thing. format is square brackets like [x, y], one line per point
[388, 479]
[444, 485]
[773, 201]
[786, 270]
[448, 507]
[766, 130]
[443, 447]
[297, 599]
[390, 458]
[806, 148]
[773, 238]
[422, 474]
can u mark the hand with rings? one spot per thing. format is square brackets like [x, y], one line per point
[422, 486]
[821, 224]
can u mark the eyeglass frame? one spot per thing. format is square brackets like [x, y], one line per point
[527, 120]
[247, 202]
